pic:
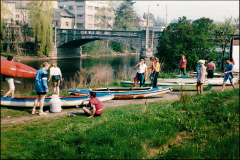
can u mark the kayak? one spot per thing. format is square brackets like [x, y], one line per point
[65, 100]
[126, 93]
[174, 85]
[213, 81]
[15, 69]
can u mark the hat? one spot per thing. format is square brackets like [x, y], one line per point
[201, 61]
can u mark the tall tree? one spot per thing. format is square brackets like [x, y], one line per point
[40, 23]
[224, 31]
[125, 17]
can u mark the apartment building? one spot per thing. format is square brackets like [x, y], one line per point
[85, 11]
[62, 18]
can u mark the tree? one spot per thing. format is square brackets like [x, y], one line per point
[40, 23]
[224, 31]
[104, 17]
[125, 17]
[184, 38]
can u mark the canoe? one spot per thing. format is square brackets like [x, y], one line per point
[126, 93]
[215, 75]
[175, 86]
[65, 100]
[15, 69]
[182, 76]
[213, 81]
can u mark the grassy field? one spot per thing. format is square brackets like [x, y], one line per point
[195, 127]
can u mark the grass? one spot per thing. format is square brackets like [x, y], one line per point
[195, 127]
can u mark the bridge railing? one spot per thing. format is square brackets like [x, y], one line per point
[99, 32]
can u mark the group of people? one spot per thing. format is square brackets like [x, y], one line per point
[142, 72]
[201, 72]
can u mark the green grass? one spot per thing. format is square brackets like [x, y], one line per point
[195, 127]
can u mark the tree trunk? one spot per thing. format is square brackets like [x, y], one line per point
[35, 44]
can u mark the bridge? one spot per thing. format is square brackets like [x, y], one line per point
[75, 38]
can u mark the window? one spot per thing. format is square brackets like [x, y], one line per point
[17, 15]
[56, 23]
[90, 16]
[70, 7]
[90, 7]
[66, 23]
[61, 7]
[79, 25]
[109, 18]
[96, 25]
[80, 16]
[109, 9]
[79, 7]
[89, 25]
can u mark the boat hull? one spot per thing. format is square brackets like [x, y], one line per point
[127, 93]
[65, 102]
[15, 69]
[175, 86]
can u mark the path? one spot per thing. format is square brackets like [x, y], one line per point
[112, 103]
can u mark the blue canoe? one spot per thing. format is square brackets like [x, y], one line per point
[65, 100]
[125, 92]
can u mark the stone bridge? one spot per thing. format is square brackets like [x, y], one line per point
[75, 38]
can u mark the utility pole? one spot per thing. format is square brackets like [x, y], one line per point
[75, 26]
[166, 17]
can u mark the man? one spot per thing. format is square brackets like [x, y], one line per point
[211, 67]
[228, 74]
[10, 81]
[141, 70]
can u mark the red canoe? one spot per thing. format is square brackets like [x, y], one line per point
[15, 69]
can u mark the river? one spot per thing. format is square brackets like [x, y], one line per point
[115, 66]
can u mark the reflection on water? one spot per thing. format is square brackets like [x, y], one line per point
[120, 65]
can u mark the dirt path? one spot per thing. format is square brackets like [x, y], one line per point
[112, 103]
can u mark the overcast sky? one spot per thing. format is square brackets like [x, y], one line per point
[215, 10]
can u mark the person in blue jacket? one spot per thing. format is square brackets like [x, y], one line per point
[228, 74]
[41, 87]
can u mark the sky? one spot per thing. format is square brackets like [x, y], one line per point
[193, 10]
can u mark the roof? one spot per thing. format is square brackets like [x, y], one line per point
[64, 13]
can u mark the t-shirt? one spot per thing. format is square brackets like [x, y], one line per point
[55, 71]
[141, 68]
[211, 66]
[157, 67]
[183, 63]
[97, 103]
[152, 68]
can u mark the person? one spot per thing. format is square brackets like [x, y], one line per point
[210, 68]
[41, 87]
[228, 74]
[95, 105]
[198, 66]
[183, 65]
[56, 75]
[141, 69]
[201, 77]
[156, 71]
[152, 70]
[232, 61]
[10, 81]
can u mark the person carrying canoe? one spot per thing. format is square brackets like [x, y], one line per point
[141, 69]
[152, 70]
[201, 77]
[156, 71]
[41, 87]
[183, 65]
[95, 106]
[10, 81]
[56, 75]
[228, 74]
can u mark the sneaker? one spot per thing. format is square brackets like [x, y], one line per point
[42, 114]
[33, 111]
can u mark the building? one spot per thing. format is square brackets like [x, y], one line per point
[62, 18]
[143, 22]
[85, 12]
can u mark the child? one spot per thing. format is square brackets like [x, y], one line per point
[201, 77]
[95, 104]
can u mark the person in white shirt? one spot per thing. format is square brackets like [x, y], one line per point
[201, 77]
[56, 75]
[141, 69]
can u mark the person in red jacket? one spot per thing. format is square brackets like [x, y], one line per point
[95, 105]
[183, 65]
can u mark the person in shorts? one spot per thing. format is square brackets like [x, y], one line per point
[141, 70]
[56, 75]
[228, 74]
[10, 81]
[95, 106]
[41, 87]
[201, 77]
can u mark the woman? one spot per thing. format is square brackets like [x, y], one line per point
[41, 87]
[141, 69]
[201, 77]
[156, 71]
[56, 75]
[10, 81]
